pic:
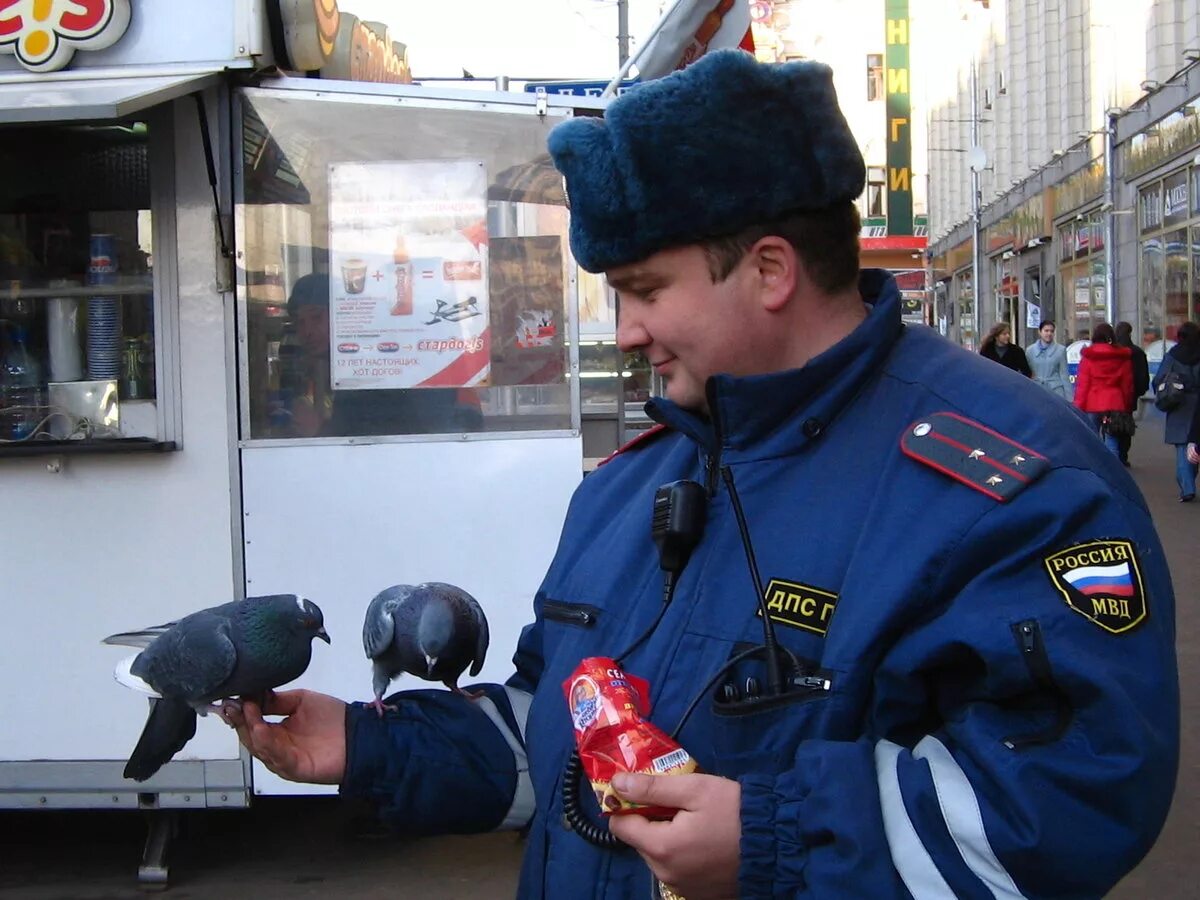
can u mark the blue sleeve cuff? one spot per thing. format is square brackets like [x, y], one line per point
[772, 859]
[435, 765]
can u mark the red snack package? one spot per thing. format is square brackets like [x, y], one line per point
[607, 708]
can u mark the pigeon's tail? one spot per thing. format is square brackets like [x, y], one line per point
[172, 724]
[124, 675]
[143, 638]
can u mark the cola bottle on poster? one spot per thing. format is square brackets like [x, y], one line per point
[402, 263]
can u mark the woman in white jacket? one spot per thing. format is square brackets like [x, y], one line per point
[1048, 362]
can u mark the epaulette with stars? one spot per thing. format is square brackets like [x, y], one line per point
[973, 454]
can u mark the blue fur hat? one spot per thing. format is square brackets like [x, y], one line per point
[726, 143]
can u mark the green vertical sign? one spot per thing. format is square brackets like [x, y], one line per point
[899, 119]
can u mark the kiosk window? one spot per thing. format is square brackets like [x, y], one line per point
[403, 270]
[77, 311]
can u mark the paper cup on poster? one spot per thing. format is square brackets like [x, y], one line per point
[354, 275]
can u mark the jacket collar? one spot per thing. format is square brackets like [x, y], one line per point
[786, 409]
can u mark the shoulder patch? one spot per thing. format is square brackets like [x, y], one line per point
[1102, 581]
[973, 454]
[644, 438]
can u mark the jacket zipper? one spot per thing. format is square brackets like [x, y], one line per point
[1033, 651]
[570, 613]
[712, 460]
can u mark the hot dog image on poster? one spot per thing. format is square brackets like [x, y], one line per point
[408, 250]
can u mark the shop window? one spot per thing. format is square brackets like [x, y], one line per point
[876, 192]
[1082, 299]
[1066, 242]
[79, 330]
[875, 76]
[966, 309]
[1152, 277]
[1177, 283]
[400, 287]
[1195, 299]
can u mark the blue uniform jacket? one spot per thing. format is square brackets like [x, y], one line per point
[986, 702]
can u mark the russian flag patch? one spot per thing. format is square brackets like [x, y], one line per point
[1101, 580]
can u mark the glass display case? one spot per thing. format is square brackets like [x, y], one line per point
[77, 299]
[392, 289]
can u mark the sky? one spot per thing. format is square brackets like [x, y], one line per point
[519, 38]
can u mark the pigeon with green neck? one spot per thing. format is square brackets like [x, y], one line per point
[239, 649]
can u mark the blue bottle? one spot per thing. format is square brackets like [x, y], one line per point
[22, 390]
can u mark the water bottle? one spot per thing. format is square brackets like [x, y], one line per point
[22, 390]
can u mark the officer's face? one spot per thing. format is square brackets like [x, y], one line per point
[686, 326]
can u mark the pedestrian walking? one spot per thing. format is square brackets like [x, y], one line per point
[998, 346]
[1176, 389]
[1104, 388]
[1141, 382]
[1048, 363]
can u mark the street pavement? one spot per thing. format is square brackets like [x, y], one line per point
[318, 847]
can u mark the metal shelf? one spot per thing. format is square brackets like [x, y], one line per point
[141, 286]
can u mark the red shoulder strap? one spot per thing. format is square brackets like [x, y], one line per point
[648, 435]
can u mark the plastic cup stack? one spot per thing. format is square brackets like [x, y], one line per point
[103, 338]
[104, 313]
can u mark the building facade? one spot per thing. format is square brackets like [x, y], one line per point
[869, 45]
[1075, 126]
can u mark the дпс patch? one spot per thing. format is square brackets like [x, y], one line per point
[799, 605]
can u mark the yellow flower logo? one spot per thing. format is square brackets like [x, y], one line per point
[44, 34]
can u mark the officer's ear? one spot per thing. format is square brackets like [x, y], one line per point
[775, 268]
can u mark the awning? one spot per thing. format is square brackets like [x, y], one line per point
[53, 100]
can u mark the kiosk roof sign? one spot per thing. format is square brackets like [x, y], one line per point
[44, 34]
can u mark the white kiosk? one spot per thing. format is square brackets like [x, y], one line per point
[326, 339]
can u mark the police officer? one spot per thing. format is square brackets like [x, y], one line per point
[974, 690]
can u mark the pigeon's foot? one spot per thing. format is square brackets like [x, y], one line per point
[470, 695]
[379, 706]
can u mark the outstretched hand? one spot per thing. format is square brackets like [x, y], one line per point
[308, 746]
[696, 853]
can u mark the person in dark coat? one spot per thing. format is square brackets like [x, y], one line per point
[1182, 363]
[999, 347]
[1141, 381]
[1105, 382]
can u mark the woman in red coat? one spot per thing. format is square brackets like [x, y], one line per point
[1105, 381]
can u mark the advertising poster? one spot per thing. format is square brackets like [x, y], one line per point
[408, 274]
[527, 309]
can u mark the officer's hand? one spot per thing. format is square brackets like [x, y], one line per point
[308, 746]
[697, 852]
[1192, 455]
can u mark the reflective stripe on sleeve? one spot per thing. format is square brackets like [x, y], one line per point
[964, 821]
[521, 809]
[960, 808]
[912, 861]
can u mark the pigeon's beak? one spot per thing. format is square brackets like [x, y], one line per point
[430, 662]
[323, 635]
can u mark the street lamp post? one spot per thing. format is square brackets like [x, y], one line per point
[622, 31]
[976, 248]
[1110, 218]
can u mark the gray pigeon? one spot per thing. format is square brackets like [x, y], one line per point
[243, 648]
[432, 630]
